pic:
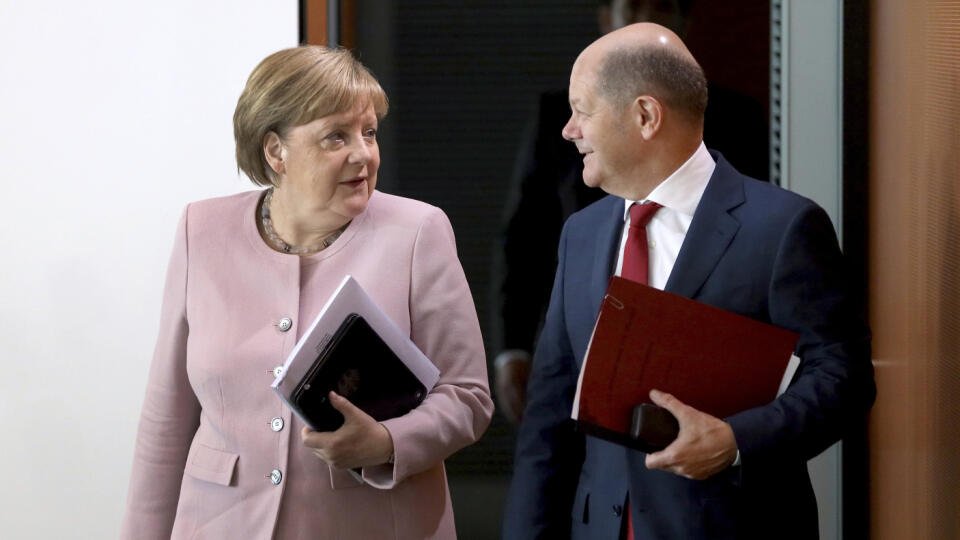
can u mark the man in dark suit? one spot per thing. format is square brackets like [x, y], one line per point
[547, 187]
[721, 238]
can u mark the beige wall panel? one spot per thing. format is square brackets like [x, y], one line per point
[915, 267]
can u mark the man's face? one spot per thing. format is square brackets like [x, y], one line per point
[604, 134]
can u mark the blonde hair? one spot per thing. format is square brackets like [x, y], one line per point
[293, 87]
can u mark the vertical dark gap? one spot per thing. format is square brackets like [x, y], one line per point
[855, 148]
[302, 23]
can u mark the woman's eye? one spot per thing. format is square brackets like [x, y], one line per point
[370, 133]
[333, 140]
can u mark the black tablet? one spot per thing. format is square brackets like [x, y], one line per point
[358, 365]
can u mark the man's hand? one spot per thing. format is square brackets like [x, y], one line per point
[360, 442]
[512, 369]
[704, 447]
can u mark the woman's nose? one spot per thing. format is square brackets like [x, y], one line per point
[360, 151]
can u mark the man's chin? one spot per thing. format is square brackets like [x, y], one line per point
[591, 180]
[602, 185]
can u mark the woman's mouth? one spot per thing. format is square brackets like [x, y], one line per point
[354, 182]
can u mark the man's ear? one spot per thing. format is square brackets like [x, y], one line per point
[273, 152]
[648, 113]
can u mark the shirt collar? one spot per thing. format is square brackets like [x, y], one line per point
[681, 191]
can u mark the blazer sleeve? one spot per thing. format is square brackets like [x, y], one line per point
[549, 452]
[443, 323]
[834, 386]
[170, 413]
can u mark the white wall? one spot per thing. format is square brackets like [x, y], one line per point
[113, 115]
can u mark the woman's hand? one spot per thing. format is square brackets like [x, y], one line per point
[360, 442]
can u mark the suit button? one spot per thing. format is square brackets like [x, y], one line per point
[275, 477]
[617, 510]
[276, 424]
[285, 324]
[277, 371]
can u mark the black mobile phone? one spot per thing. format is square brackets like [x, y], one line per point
[653, 427]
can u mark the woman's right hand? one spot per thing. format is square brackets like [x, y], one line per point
[360, 442]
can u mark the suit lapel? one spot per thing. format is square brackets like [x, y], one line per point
[710, 233]
[604, 251]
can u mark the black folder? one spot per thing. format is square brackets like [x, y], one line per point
[358, 365]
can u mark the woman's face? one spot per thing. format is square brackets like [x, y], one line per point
[331, 163]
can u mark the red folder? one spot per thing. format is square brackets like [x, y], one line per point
[715, 361]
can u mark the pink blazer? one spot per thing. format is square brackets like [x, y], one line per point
[219, 456]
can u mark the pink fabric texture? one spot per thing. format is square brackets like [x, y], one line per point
[205, 449]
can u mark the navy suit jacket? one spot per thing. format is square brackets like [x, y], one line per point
[753, 249]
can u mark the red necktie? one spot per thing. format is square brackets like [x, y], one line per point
[636, 267]
[636, 254]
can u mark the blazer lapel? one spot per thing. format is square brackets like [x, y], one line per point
[711, 231]
[604, 252]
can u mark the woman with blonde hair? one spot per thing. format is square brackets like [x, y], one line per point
[218, 455]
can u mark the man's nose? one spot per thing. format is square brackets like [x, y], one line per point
[570, 131]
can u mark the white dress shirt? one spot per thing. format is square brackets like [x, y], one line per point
[679, 195]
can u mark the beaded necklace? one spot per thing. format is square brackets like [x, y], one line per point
[278, 244]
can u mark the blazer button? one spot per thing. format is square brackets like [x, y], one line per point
[276, 424]
[617, 510]
[285, 324]
[275, 477]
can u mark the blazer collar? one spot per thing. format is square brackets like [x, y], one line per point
[605, 250]
[711, 231]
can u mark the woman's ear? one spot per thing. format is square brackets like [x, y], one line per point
[273, 152]
[648, 113]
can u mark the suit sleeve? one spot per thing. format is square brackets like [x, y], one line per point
[444, 325]
[170, 413]
[549, 452]
[834, 386]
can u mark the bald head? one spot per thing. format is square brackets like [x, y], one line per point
[637, 98]
[647, 59]
[642, 34]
